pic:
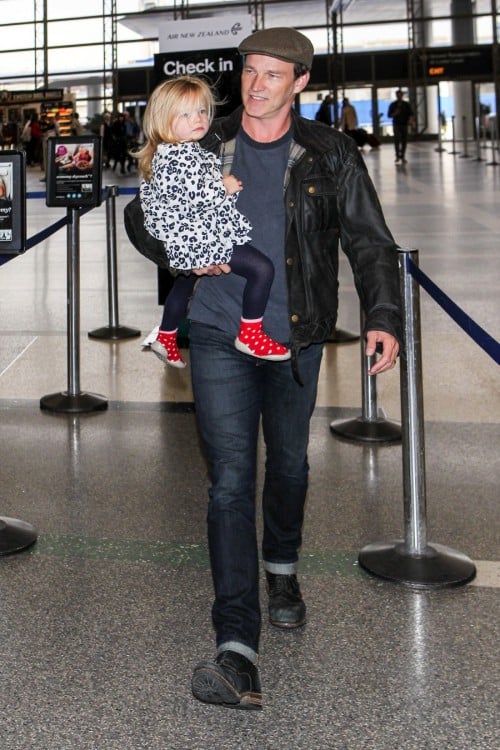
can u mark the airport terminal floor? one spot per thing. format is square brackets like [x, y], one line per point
[104, 617]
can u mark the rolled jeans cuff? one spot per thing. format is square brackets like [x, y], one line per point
[239, 648]
[280, 569]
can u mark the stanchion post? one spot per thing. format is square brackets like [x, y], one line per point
[114, 331]
[439, 148]
[453, 149]
[478, 141]
[413, 561]
[369, 427]
[493, 162]
[465, 154]
[73, 401]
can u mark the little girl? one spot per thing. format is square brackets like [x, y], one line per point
[190, 206]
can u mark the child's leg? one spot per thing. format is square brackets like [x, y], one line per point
[176, 302]
[258, 271]
[165, 347]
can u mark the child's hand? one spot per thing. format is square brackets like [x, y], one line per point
[232, 184]
[212, 270]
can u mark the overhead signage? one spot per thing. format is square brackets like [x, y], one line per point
[25, 97]
[453, 62]
[204, 33]
[222, 67]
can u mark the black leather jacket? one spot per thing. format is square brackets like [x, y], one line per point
[329, 198]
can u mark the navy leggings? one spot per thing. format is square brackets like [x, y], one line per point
[245, 261]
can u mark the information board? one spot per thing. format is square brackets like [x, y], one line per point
[74, 171]
[12, 202]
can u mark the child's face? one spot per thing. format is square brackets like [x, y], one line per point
[192, 121]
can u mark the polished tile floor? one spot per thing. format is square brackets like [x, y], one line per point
[103, 618]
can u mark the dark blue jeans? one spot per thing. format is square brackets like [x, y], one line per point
[232, 392]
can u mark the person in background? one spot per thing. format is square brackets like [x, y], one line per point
[324, 113]
[402, 116]
[118, 144]
[105, 133]
[132, 133]
[34, 152]
[307, 190]
[349, 118]
[76, 126]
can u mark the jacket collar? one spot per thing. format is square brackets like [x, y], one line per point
[314, 138]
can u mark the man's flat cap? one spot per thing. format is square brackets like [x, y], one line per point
[285, 44]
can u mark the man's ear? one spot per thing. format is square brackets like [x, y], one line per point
[301, 82]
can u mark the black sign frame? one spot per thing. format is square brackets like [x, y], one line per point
[13, 202]
[74, 171]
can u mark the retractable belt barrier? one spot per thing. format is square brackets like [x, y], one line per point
[413, 561]
[480, 136]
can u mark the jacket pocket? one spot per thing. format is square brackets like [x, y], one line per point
[319, 204]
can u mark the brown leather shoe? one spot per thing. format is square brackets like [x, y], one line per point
[230, 680]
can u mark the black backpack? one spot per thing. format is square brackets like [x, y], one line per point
[139, 236]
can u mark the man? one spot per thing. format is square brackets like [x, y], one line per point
[402, 116]
[349, 118]
[304, 187]
[324, 113]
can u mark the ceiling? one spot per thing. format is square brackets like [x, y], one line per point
[297, 13]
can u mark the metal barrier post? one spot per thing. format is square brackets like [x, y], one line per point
[453, 149]
[73, 401]
[478, 141]
[413, 561]
[370, 427]
[493, 162]
[465, 154]
[440, 147]
[114, 330]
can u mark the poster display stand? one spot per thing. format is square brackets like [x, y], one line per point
[74, 176]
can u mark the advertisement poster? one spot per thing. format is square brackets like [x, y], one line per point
[6, 226]
[73, 166]
[12, 203]
[74, 171]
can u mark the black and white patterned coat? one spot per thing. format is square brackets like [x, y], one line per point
[186, 206]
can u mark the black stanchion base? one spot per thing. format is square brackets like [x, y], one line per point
[439, 567]
[114, 333]
[15, 535]
[369, 431]
[339, 336]
[73, 404]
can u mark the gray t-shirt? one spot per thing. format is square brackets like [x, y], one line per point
[261, 167]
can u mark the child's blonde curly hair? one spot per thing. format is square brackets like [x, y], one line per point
[167, 101]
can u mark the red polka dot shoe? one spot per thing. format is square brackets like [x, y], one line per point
[165, 347]
[252, 340]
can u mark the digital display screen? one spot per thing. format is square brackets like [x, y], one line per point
[12, 202]
[74, 173]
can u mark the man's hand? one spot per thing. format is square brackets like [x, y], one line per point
[212, 270]
[390, 349]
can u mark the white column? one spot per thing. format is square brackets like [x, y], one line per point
[463, 32]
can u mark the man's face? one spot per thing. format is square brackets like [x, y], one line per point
[268, 86]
